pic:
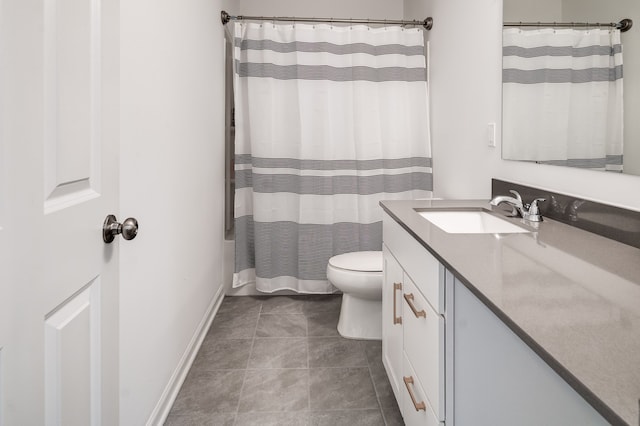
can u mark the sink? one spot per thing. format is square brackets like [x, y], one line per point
[470, 222]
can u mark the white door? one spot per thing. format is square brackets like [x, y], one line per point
[59, 91]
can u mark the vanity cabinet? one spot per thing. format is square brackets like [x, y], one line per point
[413, 330]
[426, 337]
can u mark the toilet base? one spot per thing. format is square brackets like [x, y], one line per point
[360, 318]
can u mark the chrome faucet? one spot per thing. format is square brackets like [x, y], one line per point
[529, 212]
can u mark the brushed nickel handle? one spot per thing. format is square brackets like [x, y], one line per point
[396, 319]
[418, 405]
[409, 298]
[111, 228]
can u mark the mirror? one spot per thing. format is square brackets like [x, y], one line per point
[574, 123]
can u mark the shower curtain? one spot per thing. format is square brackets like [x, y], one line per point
[562, 97]
[329, 121]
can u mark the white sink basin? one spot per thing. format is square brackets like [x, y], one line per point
[470, 222]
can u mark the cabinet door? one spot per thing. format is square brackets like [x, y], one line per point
[500, 381]
[423, 340]
[392, 322]
[416, 409]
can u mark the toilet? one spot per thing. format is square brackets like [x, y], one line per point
[359, 276]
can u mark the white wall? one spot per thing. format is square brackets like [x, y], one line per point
[172, 153]
[464, 93]
[466, 42]
[378, 9]
[533, 11]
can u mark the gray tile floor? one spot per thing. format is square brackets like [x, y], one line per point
[280, 361]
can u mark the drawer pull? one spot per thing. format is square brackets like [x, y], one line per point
[418, 405]
[416, 312]
[396, 287]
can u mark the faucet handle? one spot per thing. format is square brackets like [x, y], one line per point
[533, 208]
[516, 195]
[534, 204]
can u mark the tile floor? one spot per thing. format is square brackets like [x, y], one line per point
[280, 361]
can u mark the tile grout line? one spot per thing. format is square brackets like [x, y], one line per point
[362, 367]
[375, 389]
[333, 410]
[246, 369]
[308, 369]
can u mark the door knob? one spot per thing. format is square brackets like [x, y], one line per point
[111, 228]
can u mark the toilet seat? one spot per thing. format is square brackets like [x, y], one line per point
[359, 261]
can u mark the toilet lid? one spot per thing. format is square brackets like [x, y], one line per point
[364, 261]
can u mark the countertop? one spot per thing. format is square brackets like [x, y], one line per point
[570, 295]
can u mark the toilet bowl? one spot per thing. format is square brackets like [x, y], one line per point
[359, 276]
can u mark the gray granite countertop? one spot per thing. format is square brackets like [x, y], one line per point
[572, 296]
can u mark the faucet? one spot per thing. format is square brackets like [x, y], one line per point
[529, 212]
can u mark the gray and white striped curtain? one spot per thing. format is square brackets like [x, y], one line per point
[562, 97]
[329, 121]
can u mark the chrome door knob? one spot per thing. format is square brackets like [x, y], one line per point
[111, 228]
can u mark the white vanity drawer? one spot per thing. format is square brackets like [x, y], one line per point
[416, 409]
[419, 264]
[423, 332]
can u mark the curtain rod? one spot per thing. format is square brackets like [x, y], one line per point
[225, 17]
[624, 25]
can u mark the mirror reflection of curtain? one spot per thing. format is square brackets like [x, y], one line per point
[329, 121]
[562, 97]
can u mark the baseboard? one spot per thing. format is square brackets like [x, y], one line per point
[161, 411]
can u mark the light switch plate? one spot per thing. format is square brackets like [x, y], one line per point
[491, 134]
